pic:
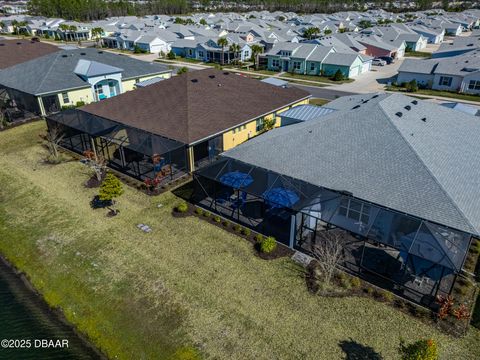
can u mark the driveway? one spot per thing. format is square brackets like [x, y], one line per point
[372, 81]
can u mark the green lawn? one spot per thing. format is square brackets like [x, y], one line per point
[433, 93]
[318, 101]
[187, 284]
[322, 79]
[420, 54]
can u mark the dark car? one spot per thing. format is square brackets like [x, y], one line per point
[388, 59]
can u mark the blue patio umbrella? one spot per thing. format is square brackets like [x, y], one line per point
[236, 179]
[280, 197]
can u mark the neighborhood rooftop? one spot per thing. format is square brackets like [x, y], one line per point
[195, 105]
[409, 155]
[13, 52]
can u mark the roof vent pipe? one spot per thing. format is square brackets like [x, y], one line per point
[399, 114]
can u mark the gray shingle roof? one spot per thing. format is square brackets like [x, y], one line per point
[55, 72]
[427, 168]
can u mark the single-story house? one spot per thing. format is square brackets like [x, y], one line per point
[314, 59]
[66, 78]
[186, 120]
[458, 73]
[434, 36]
[386, 174]
[377, 47]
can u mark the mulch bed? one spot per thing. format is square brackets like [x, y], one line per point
[93, 182]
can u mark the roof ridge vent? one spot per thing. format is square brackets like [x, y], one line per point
[424, 119]
[415, 102]
[399, 114]
[355, 107]
[408, 107]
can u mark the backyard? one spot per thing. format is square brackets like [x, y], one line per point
[186, 285]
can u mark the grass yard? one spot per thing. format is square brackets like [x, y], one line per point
[318, 101]
[318, 78]
[188, 284]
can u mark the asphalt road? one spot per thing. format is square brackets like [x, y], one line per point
[323, 92]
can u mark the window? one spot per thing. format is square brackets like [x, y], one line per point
[354, 210]
[445, 81]
[66, 100]
[474, 85]
[297, 65]
[285, 53]
[276, 63]
[312, 66]
[260, 124]
[200, 54]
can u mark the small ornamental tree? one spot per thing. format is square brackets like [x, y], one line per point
[420, 350]
[412, 86]
[110, 189]
[338, 76]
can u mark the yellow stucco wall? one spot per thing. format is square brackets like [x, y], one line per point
[242, 133]
[130, 84]
[75, 96]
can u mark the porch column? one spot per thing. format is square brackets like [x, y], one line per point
[94, 148]
[191, 159]
[292, 232]
[42, 108]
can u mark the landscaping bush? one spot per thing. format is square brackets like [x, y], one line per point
[237, 228]
[182, 207]
[225, 223]
[338, 76]
[355, 282]
[268, 244]
[369, 291]
[419, 350]
[387, 296]
[411, 86]
[246, 231]
[171, 55]
[198, 211]
[217, 219]
[258, 238]
[207, 214]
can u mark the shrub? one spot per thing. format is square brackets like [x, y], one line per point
[387, 296]
[171, 55]
[258, 238]
[246, 231]
[182, 207]
[198, 211]
[80, 103]
[369, 291]
[411, 86]
[225, 223]
[207, 214]
[419, 350]
[217, 219]
[338, 76]
[355, 282]
[182, 70]
[268, 244]
[111, 188]
[237, 228]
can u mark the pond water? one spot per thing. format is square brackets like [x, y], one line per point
[26, 318]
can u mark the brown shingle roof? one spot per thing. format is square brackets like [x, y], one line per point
[13, 52]
[195, 105]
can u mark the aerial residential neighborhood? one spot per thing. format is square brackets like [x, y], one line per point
[219, 180]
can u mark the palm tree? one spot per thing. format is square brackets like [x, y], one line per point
[97, 33]
[2, 25]
[311, 32]
[235, 48]
[256, 50]
[223, 42]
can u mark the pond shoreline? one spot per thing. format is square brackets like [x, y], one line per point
[19, 279]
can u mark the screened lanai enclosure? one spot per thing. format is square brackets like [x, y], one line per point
[17, 106]
[129, 150]
[412, 257]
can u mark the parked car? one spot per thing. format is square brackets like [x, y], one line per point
[379, 62]
[388, 59]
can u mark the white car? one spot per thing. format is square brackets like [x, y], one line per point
[379, 62]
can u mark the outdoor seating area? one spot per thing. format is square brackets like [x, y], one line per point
[414, 258]
[132, 151]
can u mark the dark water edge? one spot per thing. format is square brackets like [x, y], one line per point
[24, 315]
